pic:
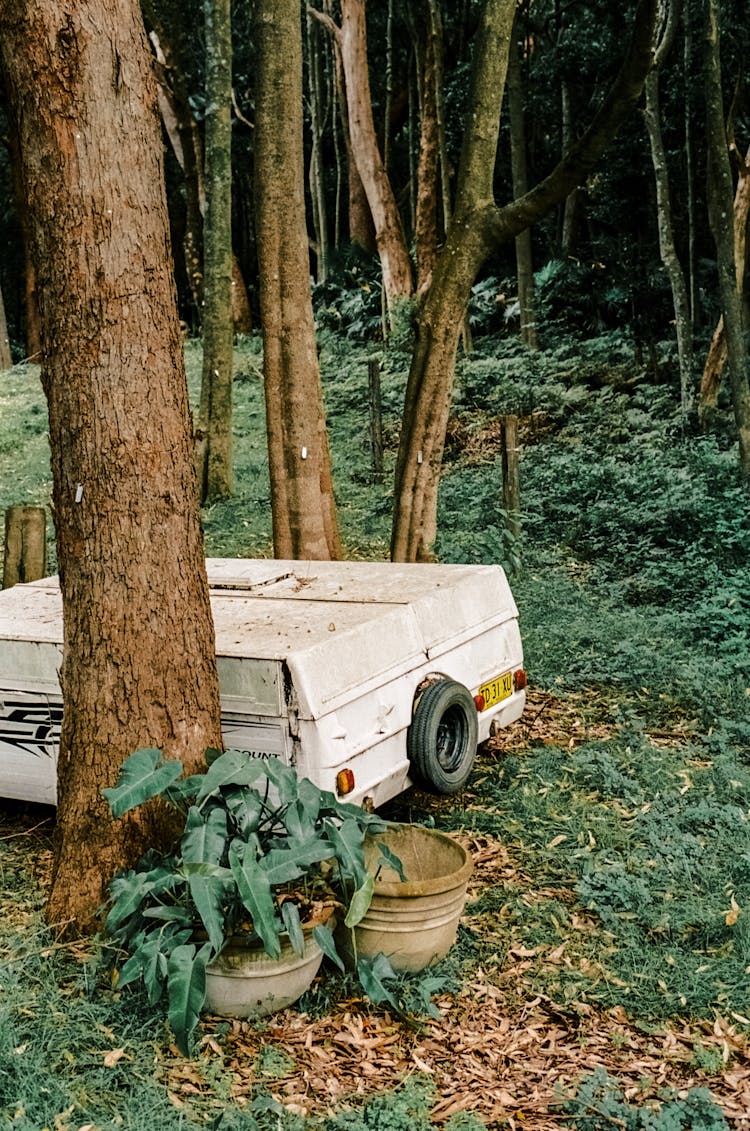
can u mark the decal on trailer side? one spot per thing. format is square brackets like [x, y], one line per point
[30, 723]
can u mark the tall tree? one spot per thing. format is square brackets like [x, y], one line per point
[304, 512]
[5, 359]
[683, 322]
[720, 193]
[351, 40]
[478, 227]
[717, 352]
[517, 120]
[214, 435]
[138, 660]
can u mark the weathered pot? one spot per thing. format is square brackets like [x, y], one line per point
[413, 922]
[243, 981]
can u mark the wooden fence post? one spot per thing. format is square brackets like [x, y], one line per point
[25, 545]
[511, 483]
[376, 415]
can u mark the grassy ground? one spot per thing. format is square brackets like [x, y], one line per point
[609, 921]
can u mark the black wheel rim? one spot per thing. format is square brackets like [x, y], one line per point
[451, 739]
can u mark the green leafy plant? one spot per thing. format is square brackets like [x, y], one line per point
[262, 854]
[599, 1102]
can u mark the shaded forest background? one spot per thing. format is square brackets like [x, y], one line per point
[596, 259]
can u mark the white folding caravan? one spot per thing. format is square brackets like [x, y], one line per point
[364, 676]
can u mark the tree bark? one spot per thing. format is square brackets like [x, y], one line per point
[717, 353]
[667, 247]
[317, 123]
[5, 357]
[168, 40]
[524, 261]
[214, 434]
[389, 233]
[426, 232]
[720, 194]
[304, 513]
[477, 228]
[138, 662]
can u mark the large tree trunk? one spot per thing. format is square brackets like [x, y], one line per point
[667, 248]
[720, 206]
[304, 513]
[138, 662]
[214, 434]
[389, 233]
[477, 228]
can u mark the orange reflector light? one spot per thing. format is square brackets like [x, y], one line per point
[344, 782]
[519, 680]
[479, 702]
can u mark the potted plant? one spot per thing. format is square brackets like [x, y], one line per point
[262, 862]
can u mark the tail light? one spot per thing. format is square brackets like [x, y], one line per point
[344, 782]
[519, 680]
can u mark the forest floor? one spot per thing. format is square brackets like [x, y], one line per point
[601, 978]
[512, 1041]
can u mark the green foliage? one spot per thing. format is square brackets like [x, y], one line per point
[599, 1101]
[349, 301]
[261, 853]
[656, 850]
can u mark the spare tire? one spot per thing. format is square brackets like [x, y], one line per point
[442, 739]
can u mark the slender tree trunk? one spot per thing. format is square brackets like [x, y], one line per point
[477, 228]
[32, 318]
[5, 357]
[430, 383]
[361, 227]
[524, 261]
[389, 233]
[720, 207]
[184, 137]
[304, 514]
[572, 205]
[717, 353]
[388, 88]
[138, 661]
[667, 247]
[214, 433]
[687, 86]
[426, 234]
[317, 122]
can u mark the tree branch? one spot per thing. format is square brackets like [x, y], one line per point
[505, 223]
[326, 21]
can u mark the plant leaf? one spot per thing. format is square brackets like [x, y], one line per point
[290, 915]
[128, 892]
[205, 836]
[373, 974]
[348, 841]
[324, 939]
[186, 981]
[255, 893]
[245, 806]
[143, 776]
[360, 902]
[392, 860]
[235, 767]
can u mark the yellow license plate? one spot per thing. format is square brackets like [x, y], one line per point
[497, 689]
